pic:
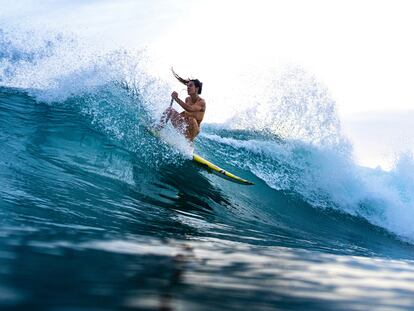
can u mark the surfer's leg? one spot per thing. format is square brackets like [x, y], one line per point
[178, 120]
[168, 114]
[184, 124]
[192, 129]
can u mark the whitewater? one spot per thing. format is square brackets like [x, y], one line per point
[97, 214]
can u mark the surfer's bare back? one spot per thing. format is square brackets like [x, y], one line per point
[188, 122]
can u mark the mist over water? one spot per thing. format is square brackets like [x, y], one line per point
[92, 206]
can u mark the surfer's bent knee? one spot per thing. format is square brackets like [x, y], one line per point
[192, 128]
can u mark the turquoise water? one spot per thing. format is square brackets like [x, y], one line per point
[96, 214]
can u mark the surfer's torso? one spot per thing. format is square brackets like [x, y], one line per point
[197, 115]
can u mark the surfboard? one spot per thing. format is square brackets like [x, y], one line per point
[212, 168]
[208, 166]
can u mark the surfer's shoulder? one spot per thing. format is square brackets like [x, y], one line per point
[202, 103]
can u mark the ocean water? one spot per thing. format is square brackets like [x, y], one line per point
[97, 214]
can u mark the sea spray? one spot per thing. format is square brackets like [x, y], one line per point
[295, 106]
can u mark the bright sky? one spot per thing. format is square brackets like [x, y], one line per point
[361, 50]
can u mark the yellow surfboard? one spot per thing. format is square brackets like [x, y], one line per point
[210, 167]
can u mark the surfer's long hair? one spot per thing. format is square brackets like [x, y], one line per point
[198, 84]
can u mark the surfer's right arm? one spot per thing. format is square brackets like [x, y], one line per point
[174, 96]
[199, 106]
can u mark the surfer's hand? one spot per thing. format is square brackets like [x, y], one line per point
[174, 95]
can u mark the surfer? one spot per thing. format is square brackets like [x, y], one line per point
[188, 122]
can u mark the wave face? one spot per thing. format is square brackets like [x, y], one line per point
[96, 213]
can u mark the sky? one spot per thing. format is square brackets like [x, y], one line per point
[360, 49]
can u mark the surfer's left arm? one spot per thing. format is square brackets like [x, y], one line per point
[199, 106]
